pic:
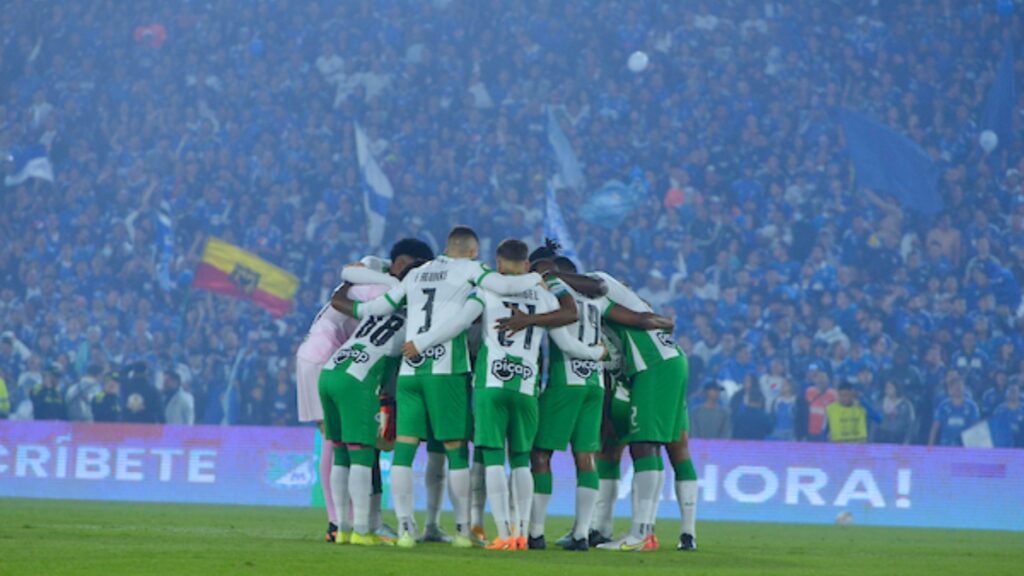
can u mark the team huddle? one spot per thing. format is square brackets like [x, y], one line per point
[448, 351]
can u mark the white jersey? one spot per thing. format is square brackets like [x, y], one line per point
[641, 349]
[373, 350]
[433, 293]
[511, 361]
[567, 368]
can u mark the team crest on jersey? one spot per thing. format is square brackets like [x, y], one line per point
[246, 279]
[583, 368]
[435, 353]
[505, 370]
[357, 356]
[666, 339]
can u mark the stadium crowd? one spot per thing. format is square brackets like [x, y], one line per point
[795, 292]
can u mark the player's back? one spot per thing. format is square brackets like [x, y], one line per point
[641, 348]
[511, 360]
[434, 292]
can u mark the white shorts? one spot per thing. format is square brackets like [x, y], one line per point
[308, 389]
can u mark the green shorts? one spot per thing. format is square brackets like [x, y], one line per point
[501, 415]
[620, 420]
[570, 414]
[435, 405]
[350, 408]
[658, 402]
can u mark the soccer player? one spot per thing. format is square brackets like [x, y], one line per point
[350, 386]
[329, 330]
[505, 384]
[571, 405]
[432, 387]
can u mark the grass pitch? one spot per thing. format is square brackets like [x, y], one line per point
[71, 537]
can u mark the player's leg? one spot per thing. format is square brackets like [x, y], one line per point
[411, 427]
[447, 407]
[358, 406]
[522, 432]
[333, 457]
[434, 479]
[682, 463]
[478, 497]
[490, 419]
[558, 408]
[307, 389]
[652, 536]
[586, 441]
[615, 433]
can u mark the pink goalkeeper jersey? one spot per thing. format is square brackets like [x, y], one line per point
[331, 328]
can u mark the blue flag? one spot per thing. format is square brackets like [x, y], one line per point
[889, 161]
[377, 191]
[568, 165]
[1001, 100]
[31, 162]
[555, 227]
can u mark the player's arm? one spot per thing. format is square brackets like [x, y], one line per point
[366, 275]
[445, 331]
[380, 306]
[505, 285]
[642, 320]
[565, 314]
[588, 286]
[574, 348]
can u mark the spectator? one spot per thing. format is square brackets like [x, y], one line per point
[898, 417]
[953, 415]
[179, 406]
[709, 418]
[783, 413]
[282, 402]
[142, 401]
[750, 421]
[47, 397]
[1008, 419]
[847, 416]
[255, 410]
[818, 397]
[80, 394]
[106, 406]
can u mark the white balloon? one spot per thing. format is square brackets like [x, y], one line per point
[988, 141]
[638, 61]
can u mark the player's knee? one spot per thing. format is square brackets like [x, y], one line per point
[642, 449]
[584, 461]
[540, 461]
[408, 440]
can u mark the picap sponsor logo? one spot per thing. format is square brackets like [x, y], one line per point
[503, 369]
[435, 354]
[60, 460]
[357, 356]
[666, 339]
[584, 368]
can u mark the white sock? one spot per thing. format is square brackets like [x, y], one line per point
[339, 493]
[360, 489]
[376, 520]
[657, 499]
[586, 500]
[434, 480]
[522, 489]
[539, 513]
[401, 492]
[497, 495]
[478, 484]
[604, 511]
[645, 484]
[686, 493]
[458, 492]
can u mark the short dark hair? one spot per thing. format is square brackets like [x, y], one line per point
[463, 233]
[513, 250]
[412, 247]
[564, 264]
[173, 375]
[410, 267]
[845, 386]
[548, 250]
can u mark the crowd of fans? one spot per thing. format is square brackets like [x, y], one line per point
[793, 288]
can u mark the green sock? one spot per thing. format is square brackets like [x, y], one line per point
[608, 470]
[543, 482]
[341, 456]
[404, 454]
[585, 479]
[458, 458]
[685, 471]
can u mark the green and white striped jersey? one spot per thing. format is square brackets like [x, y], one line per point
[565, 368]
[641, 349]
[374, 349]
[434, 293]
[511, 361]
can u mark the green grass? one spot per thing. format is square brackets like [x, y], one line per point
[70, 537]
